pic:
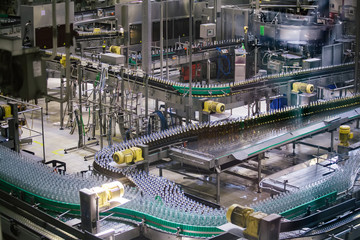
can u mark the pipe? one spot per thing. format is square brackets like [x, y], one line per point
[54, 32]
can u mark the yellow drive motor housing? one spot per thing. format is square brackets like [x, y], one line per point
[107, 192]
[302, 87]
[253, 224]
[102, 196]
[345, 135]
[115, 49]
[237, 214]
[213, 107]
[113, 190]
[5, 111]
[245, 217]
[128, 156]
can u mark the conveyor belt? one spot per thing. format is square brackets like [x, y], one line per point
[217, 90]
[218, 130]
[250, 142]
[172, 212]
[167, 209]
[222, 135]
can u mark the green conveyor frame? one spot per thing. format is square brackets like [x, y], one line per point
[312, 205]
[203, 91]
[128, 215]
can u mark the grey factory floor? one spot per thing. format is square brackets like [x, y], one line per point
[233, 189]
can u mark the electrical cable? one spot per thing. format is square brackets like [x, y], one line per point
[163, 121]
[221, 65]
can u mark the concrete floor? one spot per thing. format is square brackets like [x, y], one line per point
[233, 189]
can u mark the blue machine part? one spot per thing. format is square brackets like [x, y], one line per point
[278, 103]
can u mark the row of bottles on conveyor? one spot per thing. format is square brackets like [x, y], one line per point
[181, 48]
[165, 200]
[338, 181]
[232, 126]
[42, 180]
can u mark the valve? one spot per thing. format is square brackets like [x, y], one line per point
[213, 107]
[345, 135]
[128, 156]
[302, 87]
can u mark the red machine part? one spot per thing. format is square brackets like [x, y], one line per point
[196, 71]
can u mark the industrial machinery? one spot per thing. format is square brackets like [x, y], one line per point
[128, 156]
[345, 135]
[160, 204]
[257, 225]
[213, 107]
[302, 87]
[97, 199]
[149, 82]
[22, 70]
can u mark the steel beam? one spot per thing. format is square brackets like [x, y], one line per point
[146, 36]
[357, 49]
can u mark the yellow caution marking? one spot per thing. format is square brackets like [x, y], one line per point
[57, 152]
[38, 143]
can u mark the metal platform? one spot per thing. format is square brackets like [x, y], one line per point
[288, 180]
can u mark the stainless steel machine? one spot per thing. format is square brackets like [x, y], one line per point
[150, 78]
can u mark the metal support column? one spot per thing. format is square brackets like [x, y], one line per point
[217, 16]
[161, 37]
[146, 96]
[267, 103]
[218, 181]
[260, 157]
[145, 150]
[256, 55]
[100, 119]
[67, 59]
[332, 141]
[146, 48]
[61, 103]
[293, 144]
[146, 36]
[14, 126]
[122, 104]
[357, 49]
[167, 38]
[190, 102]
[80, 76]
[94, 110]
[1, 235]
